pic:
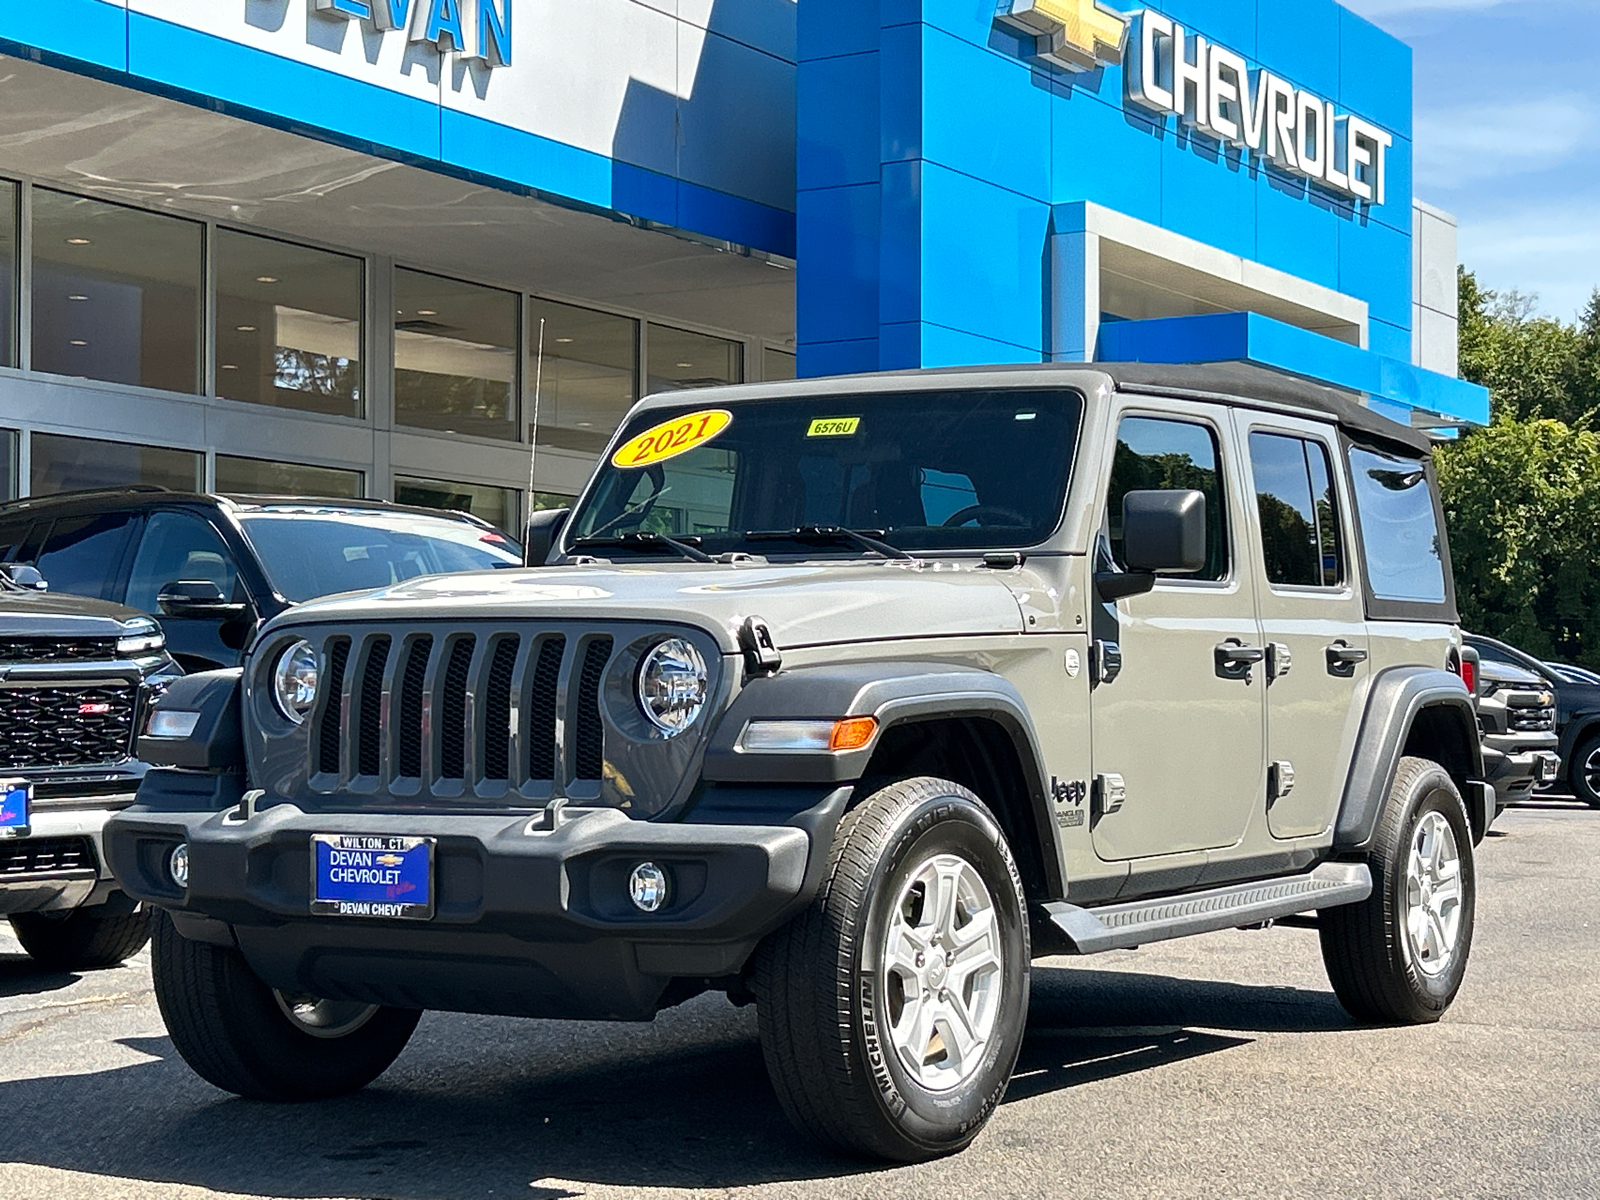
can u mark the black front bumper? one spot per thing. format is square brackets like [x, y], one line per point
[529, 921]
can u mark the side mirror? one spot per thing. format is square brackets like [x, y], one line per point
[544, 527]
[23, 575]
[195, 598]
[1163, 533]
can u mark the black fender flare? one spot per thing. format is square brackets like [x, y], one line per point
[1396, 699]
[896, 693]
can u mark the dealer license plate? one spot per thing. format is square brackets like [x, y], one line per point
[16, 802]
[357, 875]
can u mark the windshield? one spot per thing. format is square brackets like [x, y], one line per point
[316, 552]
[921, 471]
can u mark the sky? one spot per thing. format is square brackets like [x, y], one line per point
[1508, 135]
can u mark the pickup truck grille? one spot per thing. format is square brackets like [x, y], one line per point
[457, 712]
[68, 725]
[46, 649]
[45, 856]
[1531, 720]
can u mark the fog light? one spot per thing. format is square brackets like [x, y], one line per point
[647, 887]
[178, 864]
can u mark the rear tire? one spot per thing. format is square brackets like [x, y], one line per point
[1400, 955]
[892, 1009]
[249, 1039]
[1585, 773]
[85, 938]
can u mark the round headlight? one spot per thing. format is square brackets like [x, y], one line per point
[672, 685]
[294, 681]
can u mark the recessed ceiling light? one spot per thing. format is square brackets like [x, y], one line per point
[563, 341]
[245, 328]
[585, 424]
[266, 279]
[77, 297]
[229, 367]
[79, 342]
[78, 242]
[686, 364]
[427, 312]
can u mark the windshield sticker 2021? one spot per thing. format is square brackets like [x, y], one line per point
[671, 438]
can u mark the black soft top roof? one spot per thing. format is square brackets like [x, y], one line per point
[1260, 386]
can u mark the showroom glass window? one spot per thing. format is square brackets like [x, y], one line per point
[289, 328]
[8, 272]
[776, 365]
[258, 477]
[9, 442]
[455, 356]
[496, 505]
[66, 464]
[589, 380]
[116, 293]
[680, 359]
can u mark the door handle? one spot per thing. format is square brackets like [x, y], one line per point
[1343, 658]
[1234, 658]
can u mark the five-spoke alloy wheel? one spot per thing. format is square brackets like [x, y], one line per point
[1400, 955]
[892, 1008]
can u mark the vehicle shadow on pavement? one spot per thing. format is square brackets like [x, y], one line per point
[21, 976]
[479, 1106]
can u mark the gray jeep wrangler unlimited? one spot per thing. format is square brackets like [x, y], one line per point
[849, 697]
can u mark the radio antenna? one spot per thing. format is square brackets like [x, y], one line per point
[533, 436]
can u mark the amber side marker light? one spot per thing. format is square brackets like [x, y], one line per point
[852, 733]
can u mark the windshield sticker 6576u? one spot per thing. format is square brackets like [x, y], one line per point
[834, 427]
[671, 438]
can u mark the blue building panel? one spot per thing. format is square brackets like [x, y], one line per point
[1295, 236]
[841, 94]
[983, 254]
[1233, 23]
[1299, 40]
[1375, 264]
[837, 286]
[1375, 74]
[87, 31]
[996, 127]
[1207, 193]
[1105, 155]
[827, 28]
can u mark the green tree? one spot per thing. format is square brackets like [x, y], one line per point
[1522, 496]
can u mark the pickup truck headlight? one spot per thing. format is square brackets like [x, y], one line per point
[672, 685]
[294, 681]
[139, 639]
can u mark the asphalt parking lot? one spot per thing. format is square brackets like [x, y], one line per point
[1220, 1066]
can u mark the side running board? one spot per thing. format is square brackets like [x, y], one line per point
[1124, 926]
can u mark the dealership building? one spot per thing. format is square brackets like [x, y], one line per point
[368, 247]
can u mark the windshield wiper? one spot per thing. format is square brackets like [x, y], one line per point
[644, 539]
[867, 539]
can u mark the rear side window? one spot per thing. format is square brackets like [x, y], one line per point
[1299, 511]
[1399, 527]
[1154, 454]
[81, 554]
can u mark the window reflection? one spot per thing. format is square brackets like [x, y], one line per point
[588, 381]
[455, 356]
[680, 359]
[258, 477]
[65, 464]
[496, 505]
[289, 330]
[116, 293]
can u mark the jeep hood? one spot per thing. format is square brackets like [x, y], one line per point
[804, 604]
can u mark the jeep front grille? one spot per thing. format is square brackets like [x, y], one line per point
[456, 712]
[65, 725]
[48, 649]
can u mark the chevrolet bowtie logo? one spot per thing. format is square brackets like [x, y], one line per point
[1076, 34]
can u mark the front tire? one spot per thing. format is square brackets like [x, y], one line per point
[85, 938]
[252, 1040]
[1400, 955]
[892, 1009]
[1585, 773]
